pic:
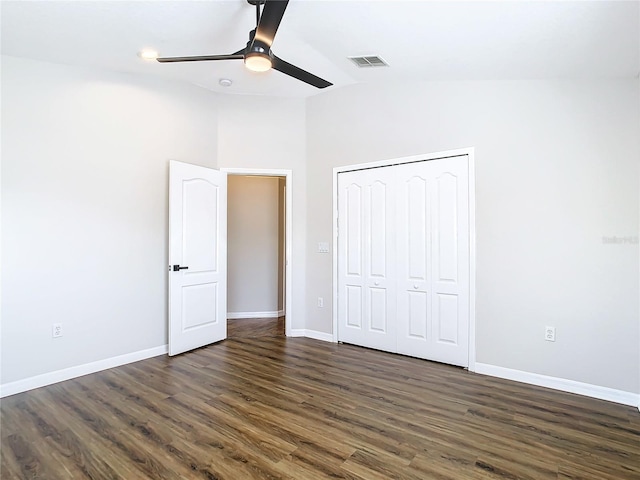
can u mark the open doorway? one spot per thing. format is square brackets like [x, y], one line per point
[258, 238]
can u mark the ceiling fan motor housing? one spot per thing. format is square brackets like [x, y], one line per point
[258, 48]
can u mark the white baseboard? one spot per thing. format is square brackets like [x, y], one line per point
[301, 332]
[297, 332]
[325, 337]
[271, 314]
[571, 386]
[586, 389]
[78, 371]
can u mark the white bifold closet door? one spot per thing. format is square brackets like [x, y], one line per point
[403, 259]
[366, 258]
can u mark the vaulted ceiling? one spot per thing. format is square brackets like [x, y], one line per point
[420, 40]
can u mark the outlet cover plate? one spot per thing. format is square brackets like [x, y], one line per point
[56, 330]
[550, 334]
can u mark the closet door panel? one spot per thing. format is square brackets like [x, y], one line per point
[351, 303]
[449, 215]
[445, 228]
[447, 318]
[353, 231]
[366, 259]
[413, 260]
[417, 315]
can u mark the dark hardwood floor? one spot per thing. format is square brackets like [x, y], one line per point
[271, 407]
[255, 327]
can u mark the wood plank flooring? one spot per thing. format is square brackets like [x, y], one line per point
[271, 407]
[255, 327]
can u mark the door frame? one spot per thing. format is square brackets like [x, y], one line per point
[288, 236]
[470, 153]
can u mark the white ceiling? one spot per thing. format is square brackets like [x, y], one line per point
[421, 40]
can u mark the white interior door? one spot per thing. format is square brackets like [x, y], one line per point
[433, 260]
[197, 256]
[366, 272]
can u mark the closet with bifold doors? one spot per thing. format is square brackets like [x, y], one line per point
[403, 259]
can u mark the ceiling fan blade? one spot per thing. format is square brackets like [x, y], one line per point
[272, 14]
[298, 73]
[201, 58]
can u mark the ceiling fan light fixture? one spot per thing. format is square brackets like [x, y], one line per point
[258, 61]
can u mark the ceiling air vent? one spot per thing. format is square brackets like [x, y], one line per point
[369, 61]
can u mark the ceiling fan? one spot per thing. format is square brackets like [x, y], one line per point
[257, 55]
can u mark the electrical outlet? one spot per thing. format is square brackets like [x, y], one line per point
[320, 302]
[550, 334]
[56, 330]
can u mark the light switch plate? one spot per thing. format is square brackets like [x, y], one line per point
[323, 247]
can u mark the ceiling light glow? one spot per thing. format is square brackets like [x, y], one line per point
[148, 54]
[258, 62]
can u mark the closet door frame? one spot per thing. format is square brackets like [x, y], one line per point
[469, 153]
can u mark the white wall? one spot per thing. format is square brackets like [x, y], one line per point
[262, 132]
[556, 171]
[253, 245]
[84, 206]
[84, 209]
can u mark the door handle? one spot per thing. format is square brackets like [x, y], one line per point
[178, 267]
